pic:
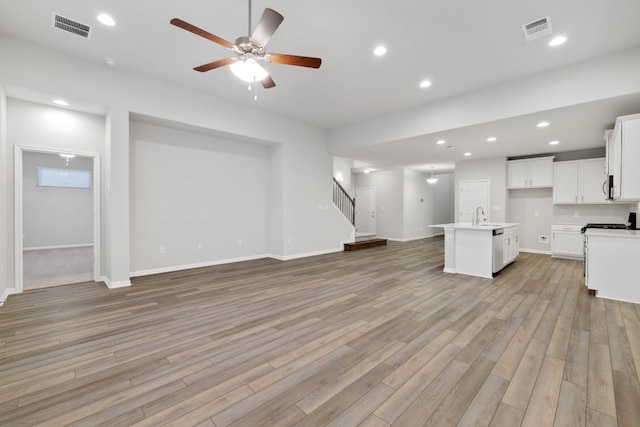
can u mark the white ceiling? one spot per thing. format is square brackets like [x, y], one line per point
[460, 45]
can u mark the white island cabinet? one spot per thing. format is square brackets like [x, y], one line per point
[479, 250]
[611, 267]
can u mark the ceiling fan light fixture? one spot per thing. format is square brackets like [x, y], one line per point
[249, 70]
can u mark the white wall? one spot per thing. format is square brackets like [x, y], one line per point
[389, 185]
[443, 201]
[189, 189]
[533, 209]
[495, 170]
[54, 216]
[342, 173]
[301, 219]
[6, 220]
[404, 203]
[418, 206]
[46, 127]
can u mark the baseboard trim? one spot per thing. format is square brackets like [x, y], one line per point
[410, 239]
[196, 265]
[308, 254]
[45, 248]
[232, 260]
[6, 293]
[115, 285]
[535, 251]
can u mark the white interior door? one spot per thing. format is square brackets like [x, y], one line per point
[366, 211]
[473, 194]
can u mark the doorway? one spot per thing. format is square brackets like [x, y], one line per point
[365, 211]
[57, 217]
[473, 194]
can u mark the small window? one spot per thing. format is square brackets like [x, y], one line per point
[66, 178]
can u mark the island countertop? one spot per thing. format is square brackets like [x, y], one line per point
[481, 226]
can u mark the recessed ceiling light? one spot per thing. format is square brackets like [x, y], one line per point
[542, 124]
[106, 20]
[491, 139]
[467, 153]
[557, 41]
[366, 170]
[379, 51]
[110, 62]
[425, 83]
[441, 142]
[60, 102]
[554, 143]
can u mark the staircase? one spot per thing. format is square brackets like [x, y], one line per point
[347, 206]
[344, 202]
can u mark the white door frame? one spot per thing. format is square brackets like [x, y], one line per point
[18, 222]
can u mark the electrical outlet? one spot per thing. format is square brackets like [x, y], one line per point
[200, 246]
[162, 250]
[576, 214]
[536, 213]
[239, 243]
[543, 239]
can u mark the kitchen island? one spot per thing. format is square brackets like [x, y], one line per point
[479, 250]
[611, 267]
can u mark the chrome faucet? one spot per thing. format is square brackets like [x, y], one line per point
[475, 219]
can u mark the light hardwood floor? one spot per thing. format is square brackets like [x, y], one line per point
[377, 337]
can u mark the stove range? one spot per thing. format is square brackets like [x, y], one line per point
[606, 226]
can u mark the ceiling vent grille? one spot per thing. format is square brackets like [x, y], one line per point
[536, 29]
[70, 26]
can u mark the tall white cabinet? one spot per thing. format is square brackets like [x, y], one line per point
[623, 149]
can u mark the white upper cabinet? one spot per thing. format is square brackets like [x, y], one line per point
[580, 181]
[624, 158]
[530, 173]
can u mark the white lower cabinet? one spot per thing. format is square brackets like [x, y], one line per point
[510, 245]
[567, 241]
[611, 265]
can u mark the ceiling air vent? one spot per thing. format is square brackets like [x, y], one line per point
[538, 28]
[70, 26]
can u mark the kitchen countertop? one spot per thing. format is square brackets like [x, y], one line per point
[482, 226]
[612, 232]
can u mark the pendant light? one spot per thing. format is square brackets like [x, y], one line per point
[432, 180]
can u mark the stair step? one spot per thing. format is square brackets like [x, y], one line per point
[365, 244]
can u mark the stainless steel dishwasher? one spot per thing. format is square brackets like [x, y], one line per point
[498, 243]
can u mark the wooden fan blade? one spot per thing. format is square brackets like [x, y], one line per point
[267, 25]
[300, 61]
[268, 82]
[215, 64]
[200, 32]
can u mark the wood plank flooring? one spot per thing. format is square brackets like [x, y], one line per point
[368, 338]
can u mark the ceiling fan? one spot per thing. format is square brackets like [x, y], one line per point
[250, 50]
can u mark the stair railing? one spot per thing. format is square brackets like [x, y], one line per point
[344, 202]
